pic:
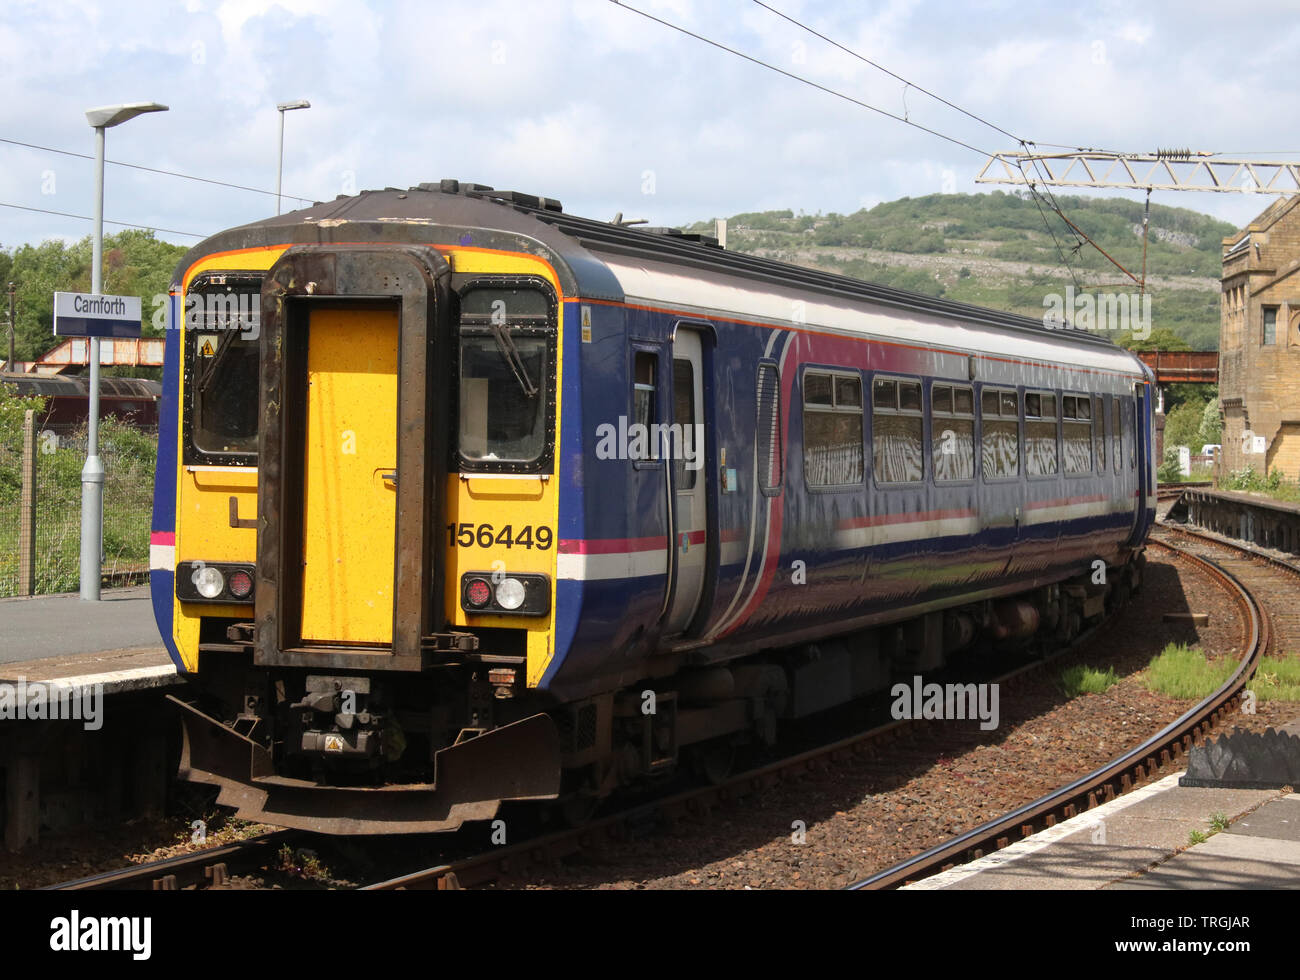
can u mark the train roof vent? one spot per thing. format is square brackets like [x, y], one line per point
[491, 194]
[683, 235]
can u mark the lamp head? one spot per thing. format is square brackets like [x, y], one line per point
[114, 115]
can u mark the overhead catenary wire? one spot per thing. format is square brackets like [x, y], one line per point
[154, 169]
[1038, 197]
[799, 78]
[86, 217]
[892, 74]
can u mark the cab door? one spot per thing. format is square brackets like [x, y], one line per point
[687, 548]
[350, 481]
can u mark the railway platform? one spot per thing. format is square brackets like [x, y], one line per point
[1250, 517]
[84, 731]
[1141, 841]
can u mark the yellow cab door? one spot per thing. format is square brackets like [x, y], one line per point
[350, 478]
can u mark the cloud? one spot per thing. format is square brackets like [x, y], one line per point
[580, 99]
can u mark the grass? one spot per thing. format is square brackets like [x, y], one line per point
[1183, 672]
[1197, 837]
[1218, 822]
[1277, 679]
[129, 457]
[1079, 679]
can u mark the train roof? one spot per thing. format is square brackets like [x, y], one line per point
[75, 385]
[453, 212]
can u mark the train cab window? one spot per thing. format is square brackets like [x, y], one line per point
[1099, 430]
[507, 368]
[1000, 439]
[952, 432]
[832, 429]
[897, 432]
[767, 441]
[222, 326]
[1076, 433]
[1040, 434]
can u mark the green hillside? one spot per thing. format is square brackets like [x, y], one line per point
[997, 250]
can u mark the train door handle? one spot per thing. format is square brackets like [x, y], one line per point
[389, 478]
[234, 516]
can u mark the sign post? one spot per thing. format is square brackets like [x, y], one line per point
[94, 316]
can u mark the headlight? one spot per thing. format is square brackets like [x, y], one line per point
[510, 594]
[223, 582]
[209, 581]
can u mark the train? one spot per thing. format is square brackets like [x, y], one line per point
[67, 398]
[464, 501]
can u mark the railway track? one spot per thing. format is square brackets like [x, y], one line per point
[1244, 574]
[209, 868]
[1169, 491]
[514, 861]
[1264, 588]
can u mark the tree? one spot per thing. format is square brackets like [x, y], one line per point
[135, 264]
[1211, 432]
[1183, 425]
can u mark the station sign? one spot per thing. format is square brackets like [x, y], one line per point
[87, 315]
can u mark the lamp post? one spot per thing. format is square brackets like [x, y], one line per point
[279, 170]
[92, 474]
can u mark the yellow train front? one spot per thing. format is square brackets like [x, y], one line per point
[322, 540]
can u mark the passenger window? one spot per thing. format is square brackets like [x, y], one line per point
[1116, 438]
[1000, 443]
[1076, 433]
[832, 429]
[1099, 430]
[1040, 434]
[768, 440]
[952, 433]
[684, 420]
[897, 432]
[643, 388]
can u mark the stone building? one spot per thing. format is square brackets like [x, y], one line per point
[1259, 343]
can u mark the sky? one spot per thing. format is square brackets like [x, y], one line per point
[590, 103]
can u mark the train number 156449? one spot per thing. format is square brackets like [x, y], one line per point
[485, 536]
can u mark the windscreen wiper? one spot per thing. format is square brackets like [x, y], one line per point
[504, 341]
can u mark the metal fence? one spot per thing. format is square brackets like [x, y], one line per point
[40, 505]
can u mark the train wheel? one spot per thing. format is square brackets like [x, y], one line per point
[714, 761]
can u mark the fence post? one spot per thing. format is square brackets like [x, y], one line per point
[27, 509]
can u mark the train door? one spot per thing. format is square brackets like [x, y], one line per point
[687, 552]
[350, 479]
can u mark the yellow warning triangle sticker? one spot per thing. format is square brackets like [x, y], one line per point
[207, 350]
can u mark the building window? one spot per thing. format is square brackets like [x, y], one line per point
[1270, 325]
[952, 432]
[1000, 436]
[832, 429]
[897, 432]
[1040, 434]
